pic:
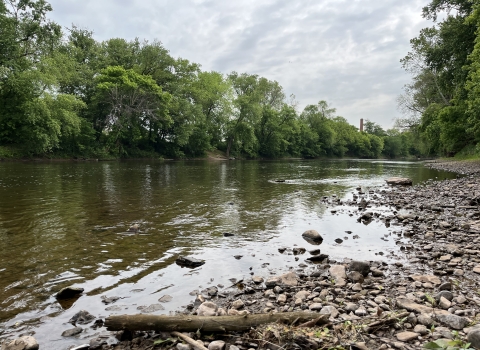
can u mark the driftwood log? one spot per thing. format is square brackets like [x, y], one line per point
[164, 323]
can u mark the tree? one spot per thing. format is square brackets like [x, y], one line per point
[131, 105]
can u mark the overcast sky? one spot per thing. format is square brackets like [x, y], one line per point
[346, 52]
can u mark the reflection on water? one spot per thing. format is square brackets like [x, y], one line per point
[66, 223]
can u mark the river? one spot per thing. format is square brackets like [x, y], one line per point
[66, 223]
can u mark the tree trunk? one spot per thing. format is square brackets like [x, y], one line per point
[206, 323]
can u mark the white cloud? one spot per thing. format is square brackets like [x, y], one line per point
[345, 52]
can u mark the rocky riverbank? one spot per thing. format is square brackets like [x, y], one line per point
[427, 293]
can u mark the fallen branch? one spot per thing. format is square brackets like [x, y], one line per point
[189, 340]
[386, 321]
[189, 323]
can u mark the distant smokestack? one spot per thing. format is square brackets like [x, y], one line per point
[361, 124]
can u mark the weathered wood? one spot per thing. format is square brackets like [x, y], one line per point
[189, 340]
[164, 323]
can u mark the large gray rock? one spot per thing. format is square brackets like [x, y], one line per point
[399, 181]
[474, 338]
[312, 236]
[23, 343]
[453, 321]
[360, 266]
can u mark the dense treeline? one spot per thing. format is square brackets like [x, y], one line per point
[443, 101]
[65, 94]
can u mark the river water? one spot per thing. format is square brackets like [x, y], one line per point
[66, 223]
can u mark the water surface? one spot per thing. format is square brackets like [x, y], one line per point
[66, 224]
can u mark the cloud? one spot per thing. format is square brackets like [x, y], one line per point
[345, 52]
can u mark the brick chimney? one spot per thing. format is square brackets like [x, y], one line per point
[361, 124]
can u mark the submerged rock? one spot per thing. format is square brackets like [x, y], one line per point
[82, 317]
[69, 292]
[72, 332]
[312, 237]
[189, 262]
[399, 181]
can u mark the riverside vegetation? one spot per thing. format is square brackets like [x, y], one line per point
[64, 94]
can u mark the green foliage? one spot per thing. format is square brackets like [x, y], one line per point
[66, 94]
[447, 344]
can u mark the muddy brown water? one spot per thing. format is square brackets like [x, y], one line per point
[66, 223]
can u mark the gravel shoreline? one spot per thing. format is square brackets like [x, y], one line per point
[431, 293]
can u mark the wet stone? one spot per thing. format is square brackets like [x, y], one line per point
[72, 332]
[81, 317]
[69, 292]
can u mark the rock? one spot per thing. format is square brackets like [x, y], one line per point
[377, 273]
[228, 234]
[338, 240]
[108, 300]
[151, 308]
[318, 258]
[22, 343]
[72, 332]
[216, 345]
[273, 281]
[409, 305]
[444, 293]
[337, 272]
[289, 279]
[355, 276]
[134, 228]
[444, 303]
[298, 251]
[302, 295]
[314, 251]
[189, 262]
[329, 310]
[257, 279]
[97, 343]
[238, 304]
[207, 309]
[425, 320]
[69, 292]
[421, 329]
[453, 321]
[165, 299]
[312, 237]
[351, 307]
[445, 286]
[82, 317]
[473, 338]
[362, 267]
[282, 299]
[361, 311]
[357, 287]
[181, 346]
[399, 181]
[476, 269]
[426, 278]
[315, 307]
[407, 336]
